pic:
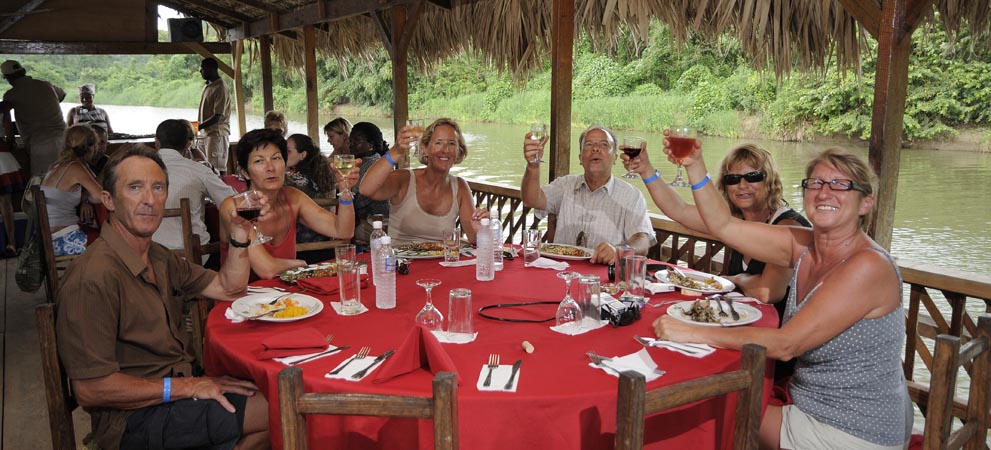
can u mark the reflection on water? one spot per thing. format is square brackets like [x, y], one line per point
[943, 214]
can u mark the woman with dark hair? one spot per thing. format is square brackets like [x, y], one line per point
[64, 185]
[366, 143]
[309, 171]
[261, 157]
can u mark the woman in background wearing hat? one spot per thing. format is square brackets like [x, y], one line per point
[86, 112]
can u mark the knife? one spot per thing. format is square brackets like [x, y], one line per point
[320, 355]
[378, 359]
[512, 376]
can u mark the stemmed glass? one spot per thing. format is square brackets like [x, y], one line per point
[569, 311]
[344, 163]
[249, 207]
[537, 132]
[681, 140]
[417, 125]
[429, 316]
[632, 146]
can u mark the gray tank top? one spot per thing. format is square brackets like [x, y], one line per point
[854, 382]
[62, 204]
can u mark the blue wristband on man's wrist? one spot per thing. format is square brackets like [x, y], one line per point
[701, 184]
[652, 178]
[166, 390]
[344, 202]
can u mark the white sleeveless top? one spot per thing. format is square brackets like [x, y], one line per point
[409, 223]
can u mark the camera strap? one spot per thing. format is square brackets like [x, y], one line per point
[481, 311]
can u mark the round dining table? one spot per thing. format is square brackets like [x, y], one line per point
[560, 402]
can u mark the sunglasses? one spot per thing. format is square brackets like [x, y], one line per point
[731, 179]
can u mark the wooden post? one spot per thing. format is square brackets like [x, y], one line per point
[242, 126]
[310, 72]
[265, 49]
[562, 42]
[400, 72]
[899, 19]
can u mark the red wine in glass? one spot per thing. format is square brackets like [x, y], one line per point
[631, 146]
[681, 140]
[249, 214]
[632, 152]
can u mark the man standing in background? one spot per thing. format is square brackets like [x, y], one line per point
[215, 115]
[39, 117]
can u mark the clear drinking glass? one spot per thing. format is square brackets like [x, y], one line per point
[537, 132]
[417, 125]
[344, 163]
[429, 316]
[631, 146]
[636, 278]
[531, 246]
[249, 207]
[452, 244]
[568, 312]
[681, 140]
[349, 277]
[588, 295]
[459, 312]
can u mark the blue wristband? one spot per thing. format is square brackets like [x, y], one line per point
[166, 389]
[343, 202]
[652, 178]
[702, 183]
[388, 157]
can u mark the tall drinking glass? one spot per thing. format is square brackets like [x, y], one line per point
[636, 278]
[537, 132]
[588, 295]
[417, 125]
[531, 246]
[249, 207]
[459, 312]
[631, 146]
[350, 279]
[452, 244]
[681, 140]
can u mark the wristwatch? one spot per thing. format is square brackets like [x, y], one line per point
[236, 243]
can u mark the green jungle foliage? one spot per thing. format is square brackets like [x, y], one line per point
[640, 86]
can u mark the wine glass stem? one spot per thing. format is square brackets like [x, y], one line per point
[567, 288]
[430, 301]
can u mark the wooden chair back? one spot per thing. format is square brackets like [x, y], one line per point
[53, 264]
[57, 391]
[442, 407]
[635, 403]
[949, 356]
[189, 241]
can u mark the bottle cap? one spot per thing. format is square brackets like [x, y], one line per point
[385, 240]
[485, 222]
[377, 225]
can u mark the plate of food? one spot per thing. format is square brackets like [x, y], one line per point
[696, 281]
[706, 313]
[293, 306]
[421, 250]
[564, 251]
[328, 269]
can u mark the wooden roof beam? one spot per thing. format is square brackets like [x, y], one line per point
[412, 19]
[199, 49]
[310, 15]
[261, 6]
[868, 14]
[106, 48]
[24, 10]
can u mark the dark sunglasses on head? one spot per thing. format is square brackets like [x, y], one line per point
[734, 178]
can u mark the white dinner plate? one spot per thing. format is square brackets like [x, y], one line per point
[544, 252]
[251, 305]
[748, 314]
[421, 250]
[724, 284]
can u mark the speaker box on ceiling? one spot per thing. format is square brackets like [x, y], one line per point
[185, 30]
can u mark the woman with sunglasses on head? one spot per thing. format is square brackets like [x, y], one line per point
[843, 320]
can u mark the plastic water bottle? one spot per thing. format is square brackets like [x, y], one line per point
[496, 227]
[385, 292]
[375, 242]
[484, 270]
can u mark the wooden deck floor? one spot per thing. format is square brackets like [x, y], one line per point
[25, 411]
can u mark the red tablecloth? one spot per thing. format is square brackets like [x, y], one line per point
[561, 402]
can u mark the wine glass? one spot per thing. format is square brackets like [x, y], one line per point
[681, 140]
[417, 125]
[537, 132]
[344, 163]
[249, 207]
[631, 146]
[429, 316]
[569, 311]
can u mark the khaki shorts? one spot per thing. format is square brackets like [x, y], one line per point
[216, 151]
[802, 431]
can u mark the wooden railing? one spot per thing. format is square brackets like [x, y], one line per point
[928, 286]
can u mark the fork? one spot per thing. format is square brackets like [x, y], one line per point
[719, 304]
[600, 360]
[687, 348]
[729, 302]
[493, 363]
[360, 355]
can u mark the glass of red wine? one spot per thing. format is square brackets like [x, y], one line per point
[249, 207]
[631, 146]
[681, 140]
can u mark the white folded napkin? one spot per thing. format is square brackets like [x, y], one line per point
[455, 338]
[287, 360]
[640, 362]
[500, 375]
[693, 350]
[233, 316]
[587, 324]
[459, 263]
[657, 288]
[355, 367]
[547, 263]
[337, 308]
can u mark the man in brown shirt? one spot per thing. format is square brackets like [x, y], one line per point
[119, 327]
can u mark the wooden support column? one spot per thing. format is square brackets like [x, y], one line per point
[242, 126]
[562, 69]
[265, 50]
[310, 72]
[400, 71]
[899, 19]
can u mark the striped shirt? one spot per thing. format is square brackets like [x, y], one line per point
[611, 213]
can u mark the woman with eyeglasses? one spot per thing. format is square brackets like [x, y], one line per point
[843, 320]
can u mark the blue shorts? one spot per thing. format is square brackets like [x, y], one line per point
[186, 423]
[69, 241]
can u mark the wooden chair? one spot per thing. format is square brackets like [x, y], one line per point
[53, 264]
[294, 403]
[60, 400]
[949, 356]
[634, 403]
